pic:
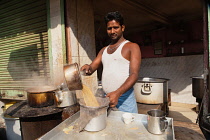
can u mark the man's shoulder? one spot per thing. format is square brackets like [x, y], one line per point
[131, 44]
[102, 50]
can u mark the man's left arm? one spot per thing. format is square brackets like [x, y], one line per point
[133, 54]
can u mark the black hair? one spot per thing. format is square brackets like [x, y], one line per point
[114, 16]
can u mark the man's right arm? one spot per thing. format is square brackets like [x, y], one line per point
[90, 69]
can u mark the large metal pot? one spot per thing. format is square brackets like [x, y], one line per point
[198, 86]
[73, 77]
[151, 90]
[40, 96]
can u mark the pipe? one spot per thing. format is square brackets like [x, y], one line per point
[67, 30]
[206, 58]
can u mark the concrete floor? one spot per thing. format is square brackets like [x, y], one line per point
[183, 112]
[184, 119]
[184, 116]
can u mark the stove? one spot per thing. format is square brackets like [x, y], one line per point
[35, 122]
[23, 110]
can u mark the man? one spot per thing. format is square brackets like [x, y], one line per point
[121, 63]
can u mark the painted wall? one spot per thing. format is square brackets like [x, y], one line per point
[82, 37]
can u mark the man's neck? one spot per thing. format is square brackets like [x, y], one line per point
[117, 41]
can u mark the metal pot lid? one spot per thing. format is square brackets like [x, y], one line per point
[152, 80]
[39, 89]
[197, 77]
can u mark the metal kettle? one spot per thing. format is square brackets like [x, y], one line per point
[66, 94]
[64, 98]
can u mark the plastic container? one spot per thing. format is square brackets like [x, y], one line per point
[13, 131]
[7, 105]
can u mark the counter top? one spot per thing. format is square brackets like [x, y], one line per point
[115, 130]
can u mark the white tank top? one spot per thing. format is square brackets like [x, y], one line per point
[115, 69]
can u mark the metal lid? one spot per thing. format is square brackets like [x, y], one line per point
[39, 89]
[152, 80]
[197, 77]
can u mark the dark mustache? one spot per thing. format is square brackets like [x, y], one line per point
[113, 34]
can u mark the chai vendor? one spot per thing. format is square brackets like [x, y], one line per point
[121, 63]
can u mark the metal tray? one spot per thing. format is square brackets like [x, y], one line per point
[115, 130]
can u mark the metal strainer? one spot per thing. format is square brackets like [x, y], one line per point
[92, 118]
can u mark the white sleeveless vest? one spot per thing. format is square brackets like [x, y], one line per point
[115, 69]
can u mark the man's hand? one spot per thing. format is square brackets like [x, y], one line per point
[87, 69]
[113, 98]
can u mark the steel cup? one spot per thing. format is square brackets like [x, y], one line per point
[156, 121]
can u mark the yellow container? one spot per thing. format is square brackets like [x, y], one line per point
[7, 105]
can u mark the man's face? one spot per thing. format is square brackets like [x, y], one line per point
[114, 29]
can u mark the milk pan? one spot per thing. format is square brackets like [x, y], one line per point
[72, 77]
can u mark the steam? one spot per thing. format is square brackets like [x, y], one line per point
[36, 80]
